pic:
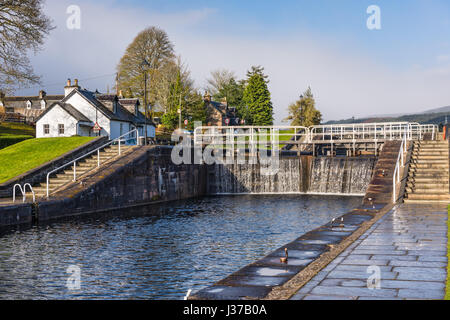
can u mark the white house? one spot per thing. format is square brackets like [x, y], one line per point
[80, 109]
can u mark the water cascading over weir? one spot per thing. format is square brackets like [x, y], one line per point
[295, 175]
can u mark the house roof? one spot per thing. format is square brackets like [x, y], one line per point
[20, 101]
[122, 114]
[77, 115]
[90, 97]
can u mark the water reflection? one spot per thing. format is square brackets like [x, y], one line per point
[158, 252]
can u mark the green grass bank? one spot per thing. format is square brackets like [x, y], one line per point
[12, 133]
[29, 154]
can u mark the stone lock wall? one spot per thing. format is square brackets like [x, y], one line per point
[146, 176]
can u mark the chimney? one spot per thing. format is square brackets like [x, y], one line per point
[42, 94]
[207, 97]
[69, 87]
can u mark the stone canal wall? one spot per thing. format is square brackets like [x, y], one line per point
[143, 177]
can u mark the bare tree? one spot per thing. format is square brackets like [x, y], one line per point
[150, 52]
[167, 76]
[219, 79]
[23, 28]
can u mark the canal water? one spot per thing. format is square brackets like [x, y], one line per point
[157, 252]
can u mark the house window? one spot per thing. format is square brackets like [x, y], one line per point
[61, 128]
[46, 129]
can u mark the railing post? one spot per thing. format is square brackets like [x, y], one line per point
[74, 171]
[393, 191]
[119, 146]
[48, 175]
[98, 158]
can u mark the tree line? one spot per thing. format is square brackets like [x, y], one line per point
[151, 56]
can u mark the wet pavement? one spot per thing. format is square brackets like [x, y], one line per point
[408, 247]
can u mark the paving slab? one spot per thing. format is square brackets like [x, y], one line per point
[409, 245]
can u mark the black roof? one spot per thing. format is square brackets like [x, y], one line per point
[69, 109]
[122, 114]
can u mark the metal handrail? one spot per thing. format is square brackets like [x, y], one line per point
[14, 191]
[396, 175]
[74, 162]
[31, 189]
[23, 190]
[368, 131]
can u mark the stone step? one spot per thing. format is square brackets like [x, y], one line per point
[420, 185]
[431, 146]
[429, 142]
[421, 196]
[423, 149]
[426, 201]
[417, 174]
[430, 156]
[433, 177]
[427, 180]
[428, 165]
[429, 161]
[435, 191]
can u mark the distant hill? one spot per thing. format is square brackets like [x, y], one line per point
[433, 116]
[438, 110]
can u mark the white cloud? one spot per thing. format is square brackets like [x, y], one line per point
[345, 83]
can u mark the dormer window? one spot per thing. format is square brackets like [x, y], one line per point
[28, 104]
[43, 104]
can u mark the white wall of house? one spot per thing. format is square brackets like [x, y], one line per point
[82, 105]
[119, 128]
[53, 118]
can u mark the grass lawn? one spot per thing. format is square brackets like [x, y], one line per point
[11, 133]
[29, 154]
[447, 290]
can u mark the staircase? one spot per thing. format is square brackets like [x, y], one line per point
[428, 175]
[61, 179]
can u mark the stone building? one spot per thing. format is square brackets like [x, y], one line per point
[218, 112]
[29, 107]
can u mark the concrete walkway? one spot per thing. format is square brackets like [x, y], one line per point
[409, 245]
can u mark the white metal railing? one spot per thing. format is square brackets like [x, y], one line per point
[249, 134]
[315, 134]
[119, 140]
[23, 190]
[358, 131]
[400, 163]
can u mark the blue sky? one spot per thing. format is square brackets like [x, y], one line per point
[353, 71]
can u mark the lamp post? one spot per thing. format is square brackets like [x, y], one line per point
[144, 66]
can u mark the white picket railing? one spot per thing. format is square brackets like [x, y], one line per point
[123, 138]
